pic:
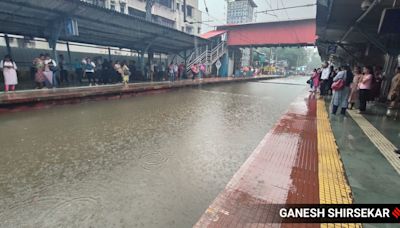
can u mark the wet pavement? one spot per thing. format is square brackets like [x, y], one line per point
[372, 178]
[148, 161]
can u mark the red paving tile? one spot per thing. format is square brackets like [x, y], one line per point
[283, 169]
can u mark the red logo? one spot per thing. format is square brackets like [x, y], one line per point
[396, 213]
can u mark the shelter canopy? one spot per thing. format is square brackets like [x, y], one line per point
[97, 25]
[281, 33]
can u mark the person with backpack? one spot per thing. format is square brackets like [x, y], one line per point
[341, 89]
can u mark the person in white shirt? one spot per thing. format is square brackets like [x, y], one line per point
[9, 68]
[325, 79]
[89, 66]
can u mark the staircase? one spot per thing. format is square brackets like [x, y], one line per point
[206, 56]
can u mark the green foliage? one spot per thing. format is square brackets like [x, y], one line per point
[295, 56]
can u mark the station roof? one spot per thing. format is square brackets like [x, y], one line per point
[211, 34]
[97, 25]
[336, 17]
[279, 33]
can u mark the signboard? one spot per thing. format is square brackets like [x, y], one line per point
[218, 65]
[332, 49]
[71, 27]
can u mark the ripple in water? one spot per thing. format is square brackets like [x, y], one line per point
[151, 161]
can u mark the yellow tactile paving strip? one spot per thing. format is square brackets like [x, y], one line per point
[333, 185]
[379, 140]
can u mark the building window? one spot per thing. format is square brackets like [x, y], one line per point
[189, 11]
[183, 28]
[134, 12]
[177, 6]
[189, 30]
[198, 30]
[167, 3]
[122, 7]
[112, 7]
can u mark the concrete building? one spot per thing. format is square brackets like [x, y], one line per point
[240, 11]
[166, 12]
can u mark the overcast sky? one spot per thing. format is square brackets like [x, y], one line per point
[217, 11]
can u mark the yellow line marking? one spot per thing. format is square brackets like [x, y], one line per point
[333, 185]
[379, 140]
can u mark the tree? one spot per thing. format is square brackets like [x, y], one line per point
[293, 55]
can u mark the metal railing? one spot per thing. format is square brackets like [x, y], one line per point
[207, 57]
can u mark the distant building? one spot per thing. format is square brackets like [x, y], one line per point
[169, 13]
[240, 11]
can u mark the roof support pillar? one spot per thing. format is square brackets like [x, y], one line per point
[109, 54]
[7, 40]
[69, 54]
[55, 31]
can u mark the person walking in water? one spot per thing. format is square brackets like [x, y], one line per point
[9, 68]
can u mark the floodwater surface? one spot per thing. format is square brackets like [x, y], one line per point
[148, 161]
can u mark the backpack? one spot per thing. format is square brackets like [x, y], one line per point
[349, 78]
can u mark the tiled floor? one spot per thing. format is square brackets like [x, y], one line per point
[296, 163]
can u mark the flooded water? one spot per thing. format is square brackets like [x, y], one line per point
[147, 161]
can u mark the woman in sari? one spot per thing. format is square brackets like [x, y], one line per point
[354, 87]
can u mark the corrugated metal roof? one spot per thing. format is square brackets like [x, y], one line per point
[212, 34]
[282, 33]
[97, 25]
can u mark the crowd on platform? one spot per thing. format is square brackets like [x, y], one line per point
[46, 72]
[358, 86]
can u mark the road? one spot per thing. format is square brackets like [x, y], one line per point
[148, 161]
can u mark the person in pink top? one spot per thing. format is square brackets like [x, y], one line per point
[364, 86]
[315, 79]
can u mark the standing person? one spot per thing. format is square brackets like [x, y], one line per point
[98, 70]
[394, 93]
[364, 86]
[332, 75]
[63, 71]
[181, 70]
[125, 73]
[310, 81]
[202, 70]
[9, 68]
[89, 71]
[132, 69]
[353, 97]
[176, 71]
[106, 72]
[40, 78]
[376, 83]
[51, 65]
[119, 71]
[171, 71]
[195, 70]
[326, 70]
[78, 70]
[341, 88]
[315, 81]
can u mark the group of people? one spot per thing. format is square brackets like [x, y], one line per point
[99, 71]
[348, 87]
[198, 70]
